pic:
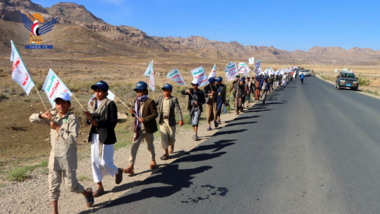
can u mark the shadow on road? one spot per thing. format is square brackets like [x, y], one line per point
[172, 179]
[242, 118]
[217, 146]
[229, 132]
[242, 123]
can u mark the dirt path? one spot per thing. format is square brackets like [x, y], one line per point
[31, 196]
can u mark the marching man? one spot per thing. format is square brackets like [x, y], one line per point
[167, 106]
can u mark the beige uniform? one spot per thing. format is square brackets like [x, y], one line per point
[167, 131]
[63, 154]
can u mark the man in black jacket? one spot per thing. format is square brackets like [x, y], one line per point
[221, 98]
[196, 99]
[102, 114]
[211, 95]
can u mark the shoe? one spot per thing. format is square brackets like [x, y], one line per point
[208, 128]
[129, 170]
[164, 157]
[216, 124]
[196, 138]
[89, 197]
[193, 137]
[153, 165]
[98, 192]
[119, 176]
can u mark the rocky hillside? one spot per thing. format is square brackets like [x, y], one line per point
[77, 15]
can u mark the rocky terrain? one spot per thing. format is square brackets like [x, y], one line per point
[77, 19]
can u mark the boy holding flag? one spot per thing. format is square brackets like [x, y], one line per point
[145, 113]
[167, 106]
[63, 156]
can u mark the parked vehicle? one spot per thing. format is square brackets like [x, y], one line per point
[306, 73]
[346, 79]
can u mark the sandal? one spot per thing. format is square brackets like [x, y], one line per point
[164, 157]
[98, 192]
[129, 170]
[153, 165]
[89, 197]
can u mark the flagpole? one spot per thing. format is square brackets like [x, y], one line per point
[41, 98]
[129, 108]
[78, 102]
[122, 102]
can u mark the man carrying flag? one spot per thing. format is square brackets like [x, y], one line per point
[167, 106]
[102, 115]
[221, 97]
[64, 128]
[194, 106]
[210, 93]
[145, 113]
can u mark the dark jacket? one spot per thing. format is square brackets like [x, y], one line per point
[207, 90]
[223, 92]
[200, 98]
[149, 113]
[174, 106]
[239, 90]
[250, 88]
[106, 127]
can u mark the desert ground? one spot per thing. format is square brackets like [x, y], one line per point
[23, 143]
[25, 146]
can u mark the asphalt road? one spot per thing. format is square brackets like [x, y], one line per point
[310, 149]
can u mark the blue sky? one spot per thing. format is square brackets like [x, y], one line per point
[285, 24]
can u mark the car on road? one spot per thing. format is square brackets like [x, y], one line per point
[346, 79]
[305, 73]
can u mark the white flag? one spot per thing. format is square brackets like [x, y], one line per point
[251, 60]
[257, 67]
[213, 72]
[200, 75]
[53, 86]
[149, 69]
[176, 76]
[231, 71]
[151, 80]
[19, 72]
[110, 96]
[243, 69]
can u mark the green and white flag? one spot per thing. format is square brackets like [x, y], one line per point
[231, 71]
[199, 74]
[149, 69]
[53, 86]
[213, 72]
[176, 77]
[152, 85]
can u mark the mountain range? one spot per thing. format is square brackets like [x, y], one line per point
[81, 32]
